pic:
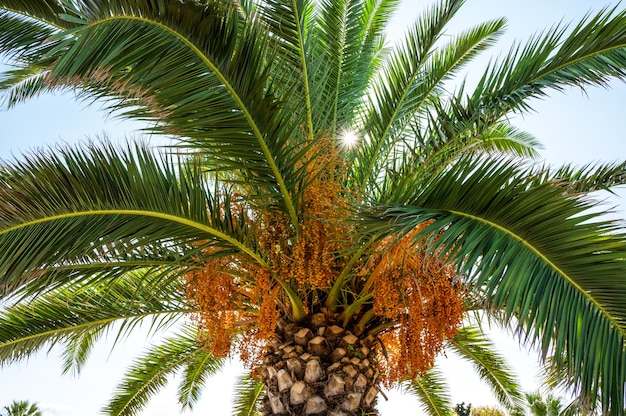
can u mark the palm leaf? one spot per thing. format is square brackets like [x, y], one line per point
[415, 74]
[21, 84]
[44, 11]
[77, 349]
[75, 315]
[442, 141]
[289, 22]
[150, 372]
[248, 391]
[432, 393]
[349, 36]
[589, 178]
[593, 53]
[535, 253]
[225, 77]
[24, 39]
[506, 139]
[107, 199]
[471, 345]
[195, 373]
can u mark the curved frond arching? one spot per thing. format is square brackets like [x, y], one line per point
[531, 249]
[248, 392]
[195, 373]
[471, 345]
[286, 245]
[507, 139]
[103, 197]
[45, 11]
[348, 34]
[22, 84]
[151, 372]
[430, 388]
[589, 178]
[289, 22]
[75, 315]
[592, 53]
[229, 83]
[412, 77]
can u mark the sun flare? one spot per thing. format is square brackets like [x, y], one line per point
[349, 138]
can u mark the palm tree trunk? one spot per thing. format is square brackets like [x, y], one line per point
[320, 369]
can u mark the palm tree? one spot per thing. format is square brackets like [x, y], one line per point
[21, 408]
[540, 406]
[330, 267]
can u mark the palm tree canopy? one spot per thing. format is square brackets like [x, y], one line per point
[21, 408]
[260, 216]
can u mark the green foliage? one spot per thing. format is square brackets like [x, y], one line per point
[21, 408]
[486, 411]
[250, 90]
[432, 393]
[472, 345]
[248, 391]
[462, 410]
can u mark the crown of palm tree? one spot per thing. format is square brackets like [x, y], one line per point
[21, 408]
[262, 216]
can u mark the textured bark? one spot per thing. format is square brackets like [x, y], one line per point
[318, 368]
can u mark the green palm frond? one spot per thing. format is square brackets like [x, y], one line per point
[195, 373]
[290, 22]
[441, 142]
[105, 198]
[77, 349]
[592, 53]
[535, 254]
[432, 392]
[471, 344]
[589, 178]
[349, 34]
[152, 370]
[97, 240]
[506, 139]
[75, 315]
[21, 408]
[21, 84]
[24, 40]
[395, 81]
[227, 79]
[248, 393]
[44, 11]
[413, 76]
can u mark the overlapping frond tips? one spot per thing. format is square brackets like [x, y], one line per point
[348, 36]
[24, 39]
[414, 75]
[195, 374]
[591, 177]
[290, 23]
[591, 53]
[201, 59]
[47, 12]
[22, 84]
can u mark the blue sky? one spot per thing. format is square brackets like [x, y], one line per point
[574, 127]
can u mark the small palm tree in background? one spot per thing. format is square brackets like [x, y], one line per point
[332, 267]
[540, 406]
[21, 408]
